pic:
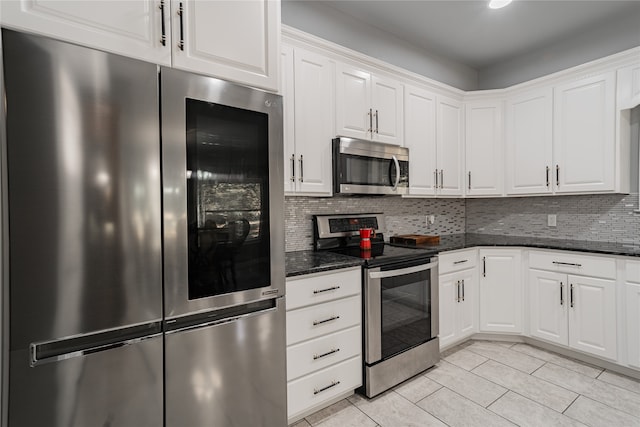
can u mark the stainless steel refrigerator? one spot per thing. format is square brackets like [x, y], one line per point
[145, 243]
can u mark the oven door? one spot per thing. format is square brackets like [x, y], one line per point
[401, 308]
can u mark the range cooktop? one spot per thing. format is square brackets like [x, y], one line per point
[384, 254]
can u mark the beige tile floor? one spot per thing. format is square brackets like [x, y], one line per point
[487, 384]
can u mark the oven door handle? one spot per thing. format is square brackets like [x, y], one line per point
[400, 272]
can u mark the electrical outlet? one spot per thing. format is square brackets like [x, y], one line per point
[551, 220]
[432, 219]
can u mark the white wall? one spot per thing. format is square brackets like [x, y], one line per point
[329, 24]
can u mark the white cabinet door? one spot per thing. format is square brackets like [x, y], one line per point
[354, 115]
[468, 307]
[420, 139]
[458, 306]
[500, 290]
[313, 121]
[232, 40]
[132, 28]
[449, 147]
[633, 323]
[592, 315]
[485, 170]
[287, 90]
[386, 102]
[584, 134]
[548, 302]
[448, 299]
[529, 142]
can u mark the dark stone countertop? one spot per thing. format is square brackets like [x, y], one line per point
[306, 262]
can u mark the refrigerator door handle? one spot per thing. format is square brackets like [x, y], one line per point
[82, 345]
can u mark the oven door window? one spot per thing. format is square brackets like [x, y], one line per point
[362, 170]
[405, 312]
[227, 199]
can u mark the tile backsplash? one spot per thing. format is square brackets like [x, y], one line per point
[402, 216]
[608, 218]
[605, 218]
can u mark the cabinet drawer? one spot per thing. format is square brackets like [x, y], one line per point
[312, 322]
[633, 271]
[312, 390]
[572, 263]
[319, 288]
[449, 262]
[322, 352]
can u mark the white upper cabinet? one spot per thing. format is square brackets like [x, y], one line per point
[420, 138]
[628, 95]
[368, 106]
[485, 172]
[134, 28]
[232, 40]
[529, 142]
[450, 147]
[584, 135]
[307, 79]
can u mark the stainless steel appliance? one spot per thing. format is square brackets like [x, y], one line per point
[145, 250]
[400, 300]
[365, 167]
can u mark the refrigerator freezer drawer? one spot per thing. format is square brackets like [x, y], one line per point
[117, 387]
[228, 374]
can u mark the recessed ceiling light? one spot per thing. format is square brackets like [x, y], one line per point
[497, 4]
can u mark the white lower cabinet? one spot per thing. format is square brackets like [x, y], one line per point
[632, 298]
[458, 296]
[324, 339]
[500, 290]
[570, 309]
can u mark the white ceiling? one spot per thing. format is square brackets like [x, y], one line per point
[470, 33]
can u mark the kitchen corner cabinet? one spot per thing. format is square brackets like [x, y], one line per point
[458, 296]
[500, 290]
[632, 299]
[324, 339]
[308, 121]
[368, 106]
[231, 40]
[484, 134]
[138, 29]
[529, 142]
[572, 301]
[584, 134]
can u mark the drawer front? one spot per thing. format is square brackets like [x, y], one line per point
[312, 322]
[314, 389]
[573, 263]
[633, 271]
[311, 356]
[449, 262]
[318, 288]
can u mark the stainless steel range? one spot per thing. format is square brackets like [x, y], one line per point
[400, 299]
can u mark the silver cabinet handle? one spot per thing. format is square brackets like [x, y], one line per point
[395, 160]
[458, 291]
[333, 288]
[293, 168]
[320, 322]
[561, 294]
[163, 37]
[320, 390]
[571, 264]
[436, 174]
[376, 121]
[460, 262]
[370, 121]
[328, 353]
[462, 290]
[557, 175]
[301, 168]
[180, 13]
[571, 295]
[547, 176]
[469, 180]
[484, 266]
[441, 178]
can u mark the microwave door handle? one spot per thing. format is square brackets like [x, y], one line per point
[397, 163]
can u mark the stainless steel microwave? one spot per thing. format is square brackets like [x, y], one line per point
[365, 167]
